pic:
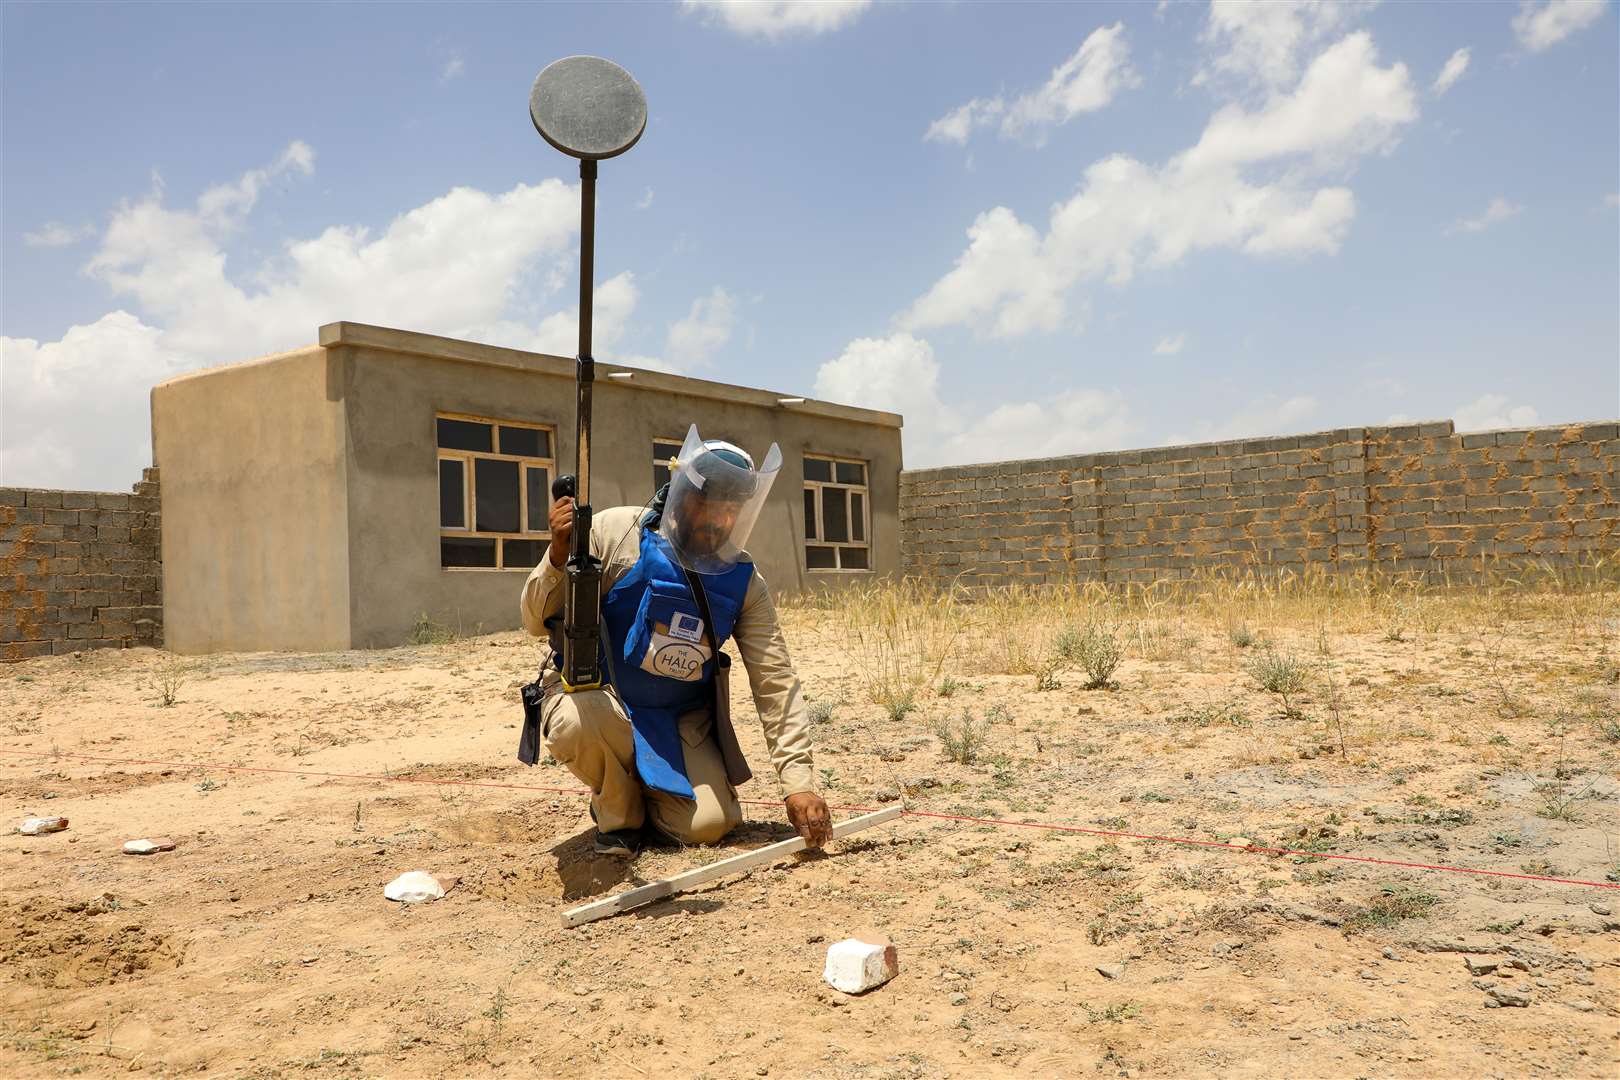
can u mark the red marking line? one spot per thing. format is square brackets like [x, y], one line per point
[1251, 849]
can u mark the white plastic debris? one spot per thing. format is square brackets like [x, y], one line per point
[38, 826]
[148, 846]
[858, 964]
[414, 887]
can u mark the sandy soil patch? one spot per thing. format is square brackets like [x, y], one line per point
[1480, 735]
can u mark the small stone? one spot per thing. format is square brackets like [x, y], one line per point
[39, 826]
[148, 846]
[814, 938]
[1601, 909]
[1479, 965]
[1510, 998]
[1370, 976]
[1581, 1005]
[860, 963]
[1295, 1037]
[308, 960]
[1391, 954]
[958, 999]
[1110, 971]
[581, 990]
[1481, 984]
[1240, 841]
[739, 971]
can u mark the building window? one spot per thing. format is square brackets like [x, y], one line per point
[664, 451]
[837, 522]
[494, 492]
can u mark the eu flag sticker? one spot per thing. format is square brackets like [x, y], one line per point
[687, 627]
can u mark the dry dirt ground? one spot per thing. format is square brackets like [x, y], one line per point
[262, 945]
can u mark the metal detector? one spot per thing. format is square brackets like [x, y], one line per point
[588, 108]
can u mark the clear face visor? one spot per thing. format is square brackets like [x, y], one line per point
[713, 504]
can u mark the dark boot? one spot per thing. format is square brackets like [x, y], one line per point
[619, 844]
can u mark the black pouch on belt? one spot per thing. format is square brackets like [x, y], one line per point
[529, 741]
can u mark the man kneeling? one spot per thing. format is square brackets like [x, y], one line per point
[658, 754]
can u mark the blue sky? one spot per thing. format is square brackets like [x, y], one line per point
[1033, 229]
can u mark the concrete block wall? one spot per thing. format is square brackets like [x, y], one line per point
[1416, 498]
[1437, 499]
[79, 570]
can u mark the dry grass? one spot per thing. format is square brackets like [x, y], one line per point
[902, 635]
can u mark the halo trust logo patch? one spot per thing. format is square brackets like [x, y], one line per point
[678, 660]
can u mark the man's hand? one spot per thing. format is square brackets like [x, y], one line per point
[562, 528]
[807, 812]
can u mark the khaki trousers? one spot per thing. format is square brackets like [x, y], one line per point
[590, 733]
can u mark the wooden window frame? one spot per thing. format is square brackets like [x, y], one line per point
[657, 461]
[866, 516]
[469, 486]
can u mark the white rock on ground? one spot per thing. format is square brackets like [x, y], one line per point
[38, 826]
[414, 887]
[858, 964]
[148, 846]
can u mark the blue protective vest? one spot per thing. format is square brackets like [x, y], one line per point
[654, 592]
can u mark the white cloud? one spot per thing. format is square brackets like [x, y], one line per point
[468, 264]
[453, 67]
[1261, 44]
[776, 19]
[450, 266]
[1387, 386]
[1541, 26]
[1245, 185]
[1170, 346]
[1489, 412]
[1085, 82]
[646, 200]
[1499, 210]
[612, 302]
[1612, 200]
[1269, 415]
[55, 234]
[694, 340]
[900, 374]
[1452, 71]
[956, 125]
[75, 411]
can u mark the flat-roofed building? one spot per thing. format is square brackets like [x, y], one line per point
[329, 497]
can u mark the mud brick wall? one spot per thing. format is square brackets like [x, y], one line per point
[79, 570]
[1412, 499]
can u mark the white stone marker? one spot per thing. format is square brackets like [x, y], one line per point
[414, 887]
[148, 847]
[858, 964]
[39, 826]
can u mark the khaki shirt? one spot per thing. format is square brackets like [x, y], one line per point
[616, 540]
